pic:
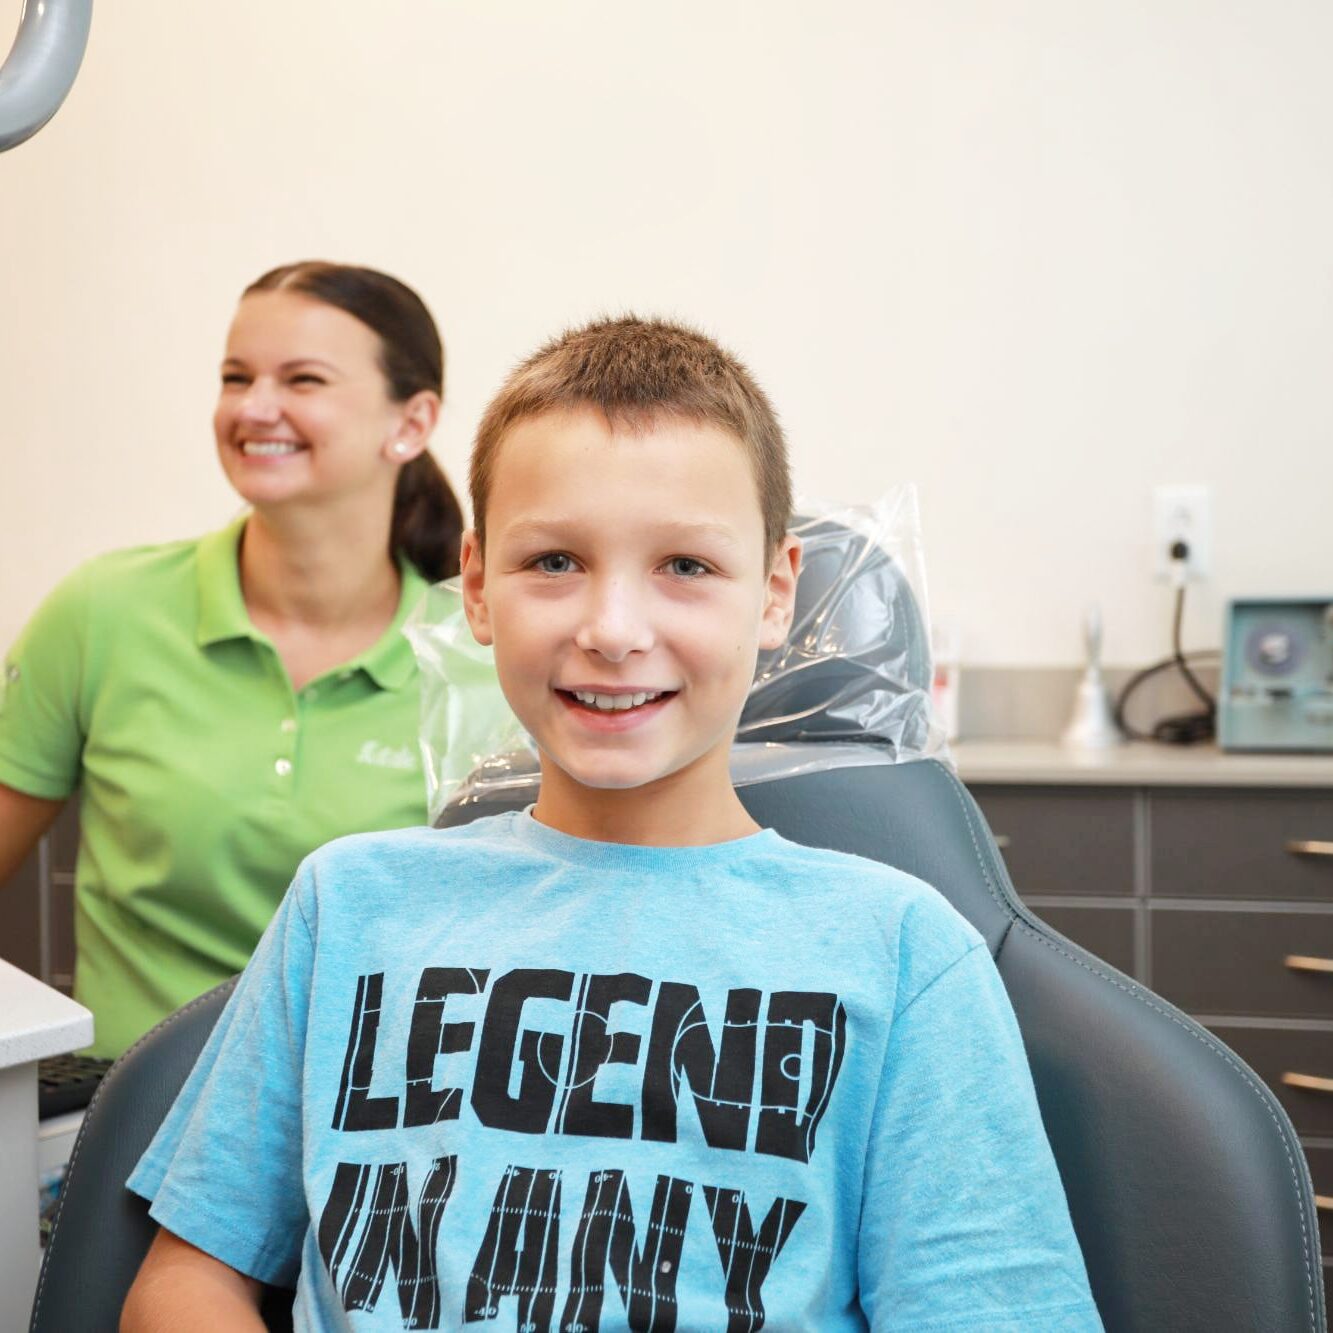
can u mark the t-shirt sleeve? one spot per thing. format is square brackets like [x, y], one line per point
[41, 724]
[224, 1170]
[964, 1222]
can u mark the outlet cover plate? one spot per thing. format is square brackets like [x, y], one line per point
[1183, 513]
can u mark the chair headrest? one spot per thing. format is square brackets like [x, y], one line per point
[856, 663]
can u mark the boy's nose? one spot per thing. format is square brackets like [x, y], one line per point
[615, 624]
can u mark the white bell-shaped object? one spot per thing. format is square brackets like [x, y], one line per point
[1092, 723]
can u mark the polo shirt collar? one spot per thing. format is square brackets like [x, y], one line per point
[222, 613]
[389, 661]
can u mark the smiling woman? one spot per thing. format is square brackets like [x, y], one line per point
[215, 700]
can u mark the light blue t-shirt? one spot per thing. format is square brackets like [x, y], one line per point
[500, 1075]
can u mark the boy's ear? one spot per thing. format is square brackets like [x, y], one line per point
[472, 577]
[780, 594]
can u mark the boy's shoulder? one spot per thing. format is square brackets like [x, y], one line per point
[911, 918]
[843, 873]
[846, 865]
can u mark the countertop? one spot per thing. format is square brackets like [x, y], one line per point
[1136, 764]
[36, 1021]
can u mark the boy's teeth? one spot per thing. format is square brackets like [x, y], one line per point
[269, 447]
[608, 702]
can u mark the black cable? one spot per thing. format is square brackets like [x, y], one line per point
[1183, 728]
[1206, 699]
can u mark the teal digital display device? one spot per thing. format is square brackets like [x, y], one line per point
[1277, 675]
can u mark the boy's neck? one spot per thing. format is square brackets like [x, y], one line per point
[687, 809]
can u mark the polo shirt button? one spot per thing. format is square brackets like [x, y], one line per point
[283, 767]
[289, 724]
[344, 675]
[13, 674]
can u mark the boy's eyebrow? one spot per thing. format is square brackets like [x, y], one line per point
[555, 529]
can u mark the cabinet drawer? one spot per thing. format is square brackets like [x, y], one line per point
[1233, 962]
[1242, 844]
[1057, 840]
[1106, 931]
[1274, 1052]
[1321, 1172]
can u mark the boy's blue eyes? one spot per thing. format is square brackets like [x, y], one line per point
[685, 567]
[557, 562]
[554, 563]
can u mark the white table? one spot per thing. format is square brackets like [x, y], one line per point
[35, 1021]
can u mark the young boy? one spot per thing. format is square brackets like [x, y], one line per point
[624, 1060]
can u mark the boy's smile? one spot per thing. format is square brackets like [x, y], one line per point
[626, 588]
[611, 710]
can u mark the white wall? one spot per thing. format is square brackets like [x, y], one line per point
[1039, 256]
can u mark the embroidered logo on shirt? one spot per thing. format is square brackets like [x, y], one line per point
[379, 755]
[10, 677]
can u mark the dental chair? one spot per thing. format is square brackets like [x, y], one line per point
[1187, 1187]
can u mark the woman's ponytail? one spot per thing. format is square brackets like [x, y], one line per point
[427, 519]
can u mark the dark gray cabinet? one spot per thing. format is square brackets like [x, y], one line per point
[1219, 898]
[1217, 962]
[1265, 845]
[1063, 841]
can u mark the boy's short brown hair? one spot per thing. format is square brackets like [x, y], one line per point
[634, 370]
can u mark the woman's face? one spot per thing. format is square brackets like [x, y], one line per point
[304, 413]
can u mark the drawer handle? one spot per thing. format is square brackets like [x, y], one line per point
[1310, 1082]
[1301, 963]
[1324, 1202]
[1309, 847]
[1002, 840]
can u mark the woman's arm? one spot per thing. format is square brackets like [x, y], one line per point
[23, 820]
[180, 1286]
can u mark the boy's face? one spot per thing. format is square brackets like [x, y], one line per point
[626, 588]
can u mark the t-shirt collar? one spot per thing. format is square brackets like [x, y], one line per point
[389, 661]
[635, 856]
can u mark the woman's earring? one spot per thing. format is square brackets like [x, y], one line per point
[401, 447]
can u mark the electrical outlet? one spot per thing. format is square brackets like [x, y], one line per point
[1182, 514]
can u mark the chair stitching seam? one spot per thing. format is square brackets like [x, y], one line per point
[1136, 992]
[955, 787]
[87, 1118]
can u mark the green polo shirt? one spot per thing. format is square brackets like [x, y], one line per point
[204, 777]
